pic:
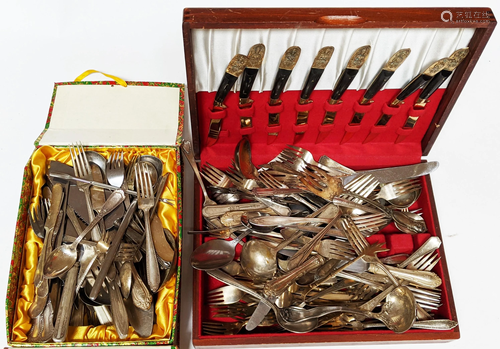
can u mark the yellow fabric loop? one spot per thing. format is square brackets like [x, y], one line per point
[91, 71]
[164, 307]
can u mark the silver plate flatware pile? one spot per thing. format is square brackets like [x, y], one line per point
[105, 252]
[294, 242]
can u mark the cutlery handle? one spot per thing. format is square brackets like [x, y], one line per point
[247, 80]
[430, 245]
[152, 269]
[219, 210]
[419, 277]
[113, 249]
[65, 306]
[276, 287]
[115, 199]
[118, 311]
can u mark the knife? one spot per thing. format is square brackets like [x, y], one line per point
[287, 63]
[393, 174]
[416, 83]
[453, 61]
[113, 249]
[233, 71]
[376, 85]
[318, 67]
[255, 57]
[355, 63]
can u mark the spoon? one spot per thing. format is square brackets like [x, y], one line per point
[215, 253]
[409, 222]
[244, 159]
[258, 259]
[406, 200]
[398, 311]
[62, 258]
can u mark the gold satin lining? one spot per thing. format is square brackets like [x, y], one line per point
[168, 215]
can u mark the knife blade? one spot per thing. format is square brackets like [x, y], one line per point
[376, 85]
[393, 174]
[453, 61]
[416, 83]
[233, 71]
[318, 67]
[287, 63]
[354, 64]
[255, 58]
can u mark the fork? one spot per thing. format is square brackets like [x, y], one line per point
[37, 219]
[82, 169]
[227, 295]
[216, 177]
[115, 169]
[145, 198]
[393, 190]
[361, 246]
[240, 181]
[232, 328]
[270, 181]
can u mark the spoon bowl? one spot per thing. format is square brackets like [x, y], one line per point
[215, 253]
[409, 222]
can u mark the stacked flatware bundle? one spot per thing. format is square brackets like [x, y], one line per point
[105, 251]
[309, 249]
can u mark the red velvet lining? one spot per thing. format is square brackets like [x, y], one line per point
[378, 153]
[246, 112]
[381, 152]
[304, 107]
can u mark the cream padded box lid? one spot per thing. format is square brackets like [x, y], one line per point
[107, 114]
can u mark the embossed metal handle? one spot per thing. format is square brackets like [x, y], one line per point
[419, 277]
[277, 286]
[65, 306]
[219, 210]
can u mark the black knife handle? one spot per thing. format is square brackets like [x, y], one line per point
[225, 86]
[247, 80]
[377, 83]
[343, 83]
[311, 82]
[434, 84]
[280, 82]
[412, 86]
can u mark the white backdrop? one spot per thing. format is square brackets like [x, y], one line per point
[43, 42]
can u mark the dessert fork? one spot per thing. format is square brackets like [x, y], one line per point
[115, 169]
[82, 169]
[145, 198]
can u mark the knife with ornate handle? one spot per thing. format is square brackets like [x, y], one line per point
[416, 83]
[287, 63]
[355, 63]
[233, 71]
[453, 61]
[376, 85]
[255, 58]
[318, 67]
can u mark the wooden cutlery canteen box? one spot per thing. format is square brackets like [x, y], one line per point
[144, 120]
[358, 132]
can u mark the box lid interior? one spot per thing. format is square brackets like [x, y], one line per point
[107, 114]
[213, 36]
